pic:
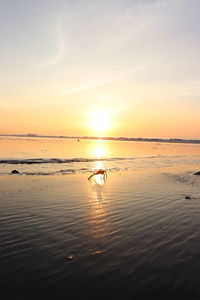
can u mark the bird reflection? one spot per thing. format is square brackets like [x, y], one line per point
[97, 183]
[99, 229]
[99, 176]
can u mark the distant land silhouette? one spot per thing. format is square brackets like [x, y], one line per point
[134, 139]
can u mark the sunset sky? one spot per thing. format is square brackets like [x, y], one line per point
[100, 67]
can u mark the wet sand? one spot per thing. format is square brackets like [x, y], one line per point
[136, 237]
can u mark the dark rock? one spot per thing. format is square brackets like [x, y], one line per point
[15, 172]
[197, 173]
[187, 197]
[70, 257]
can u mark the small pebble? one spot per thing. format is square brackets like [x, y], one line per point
[70, 257]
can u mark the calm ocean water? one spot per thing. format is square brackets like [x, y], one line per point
[42, 156]
[135, 237]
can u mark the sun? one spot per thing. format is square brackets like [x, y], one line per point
[101, 121]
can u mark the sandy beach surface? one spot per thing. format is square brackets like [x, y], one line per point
[135, 237]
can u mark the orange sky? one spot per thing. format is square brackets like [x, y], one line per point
[105, 68]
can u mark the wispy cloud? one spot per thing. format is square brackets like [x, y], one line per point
[60, 45]
[95, 84]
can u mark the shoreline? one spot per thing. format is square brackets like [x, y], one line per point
[119, 139]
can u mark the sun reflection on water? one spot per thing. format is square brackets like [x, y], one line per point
[99, 164]
[97, 218]
[98, 149]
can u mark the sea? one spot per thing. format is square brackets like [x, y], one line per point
[57, 156]
[132, 235]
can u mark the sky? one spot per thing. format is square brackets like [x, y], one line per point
[100, 68]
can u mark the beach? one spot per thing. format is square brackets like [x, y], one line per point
[134, 236]
[100, 150]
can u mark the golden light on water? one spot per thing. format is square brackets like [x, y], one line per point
[98, 149]
[97, 218]
[99, 165]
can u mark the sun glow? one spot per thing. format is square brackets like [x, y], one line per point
[101, 121]
[98, 149]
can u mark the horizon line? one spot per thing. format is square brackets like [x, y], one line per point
[142, 139]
